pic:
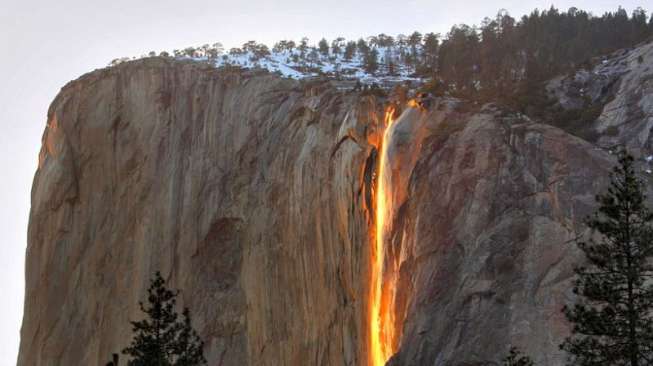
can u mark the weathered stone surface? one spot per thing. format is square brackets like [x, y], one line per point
[244, 189]
[622, 84]
[479, 242]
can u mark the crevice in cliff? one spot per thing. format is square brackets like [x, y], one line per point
[368, 180]
[342, 140]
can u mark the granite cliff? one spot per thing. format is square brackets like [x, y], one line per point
[255, 195]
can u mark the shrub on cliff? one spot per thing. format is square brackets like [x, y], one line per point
[613, 316]
[516, 358]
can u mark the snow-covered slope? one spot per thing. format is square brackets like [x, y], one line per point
[392, 67]
[291, 64]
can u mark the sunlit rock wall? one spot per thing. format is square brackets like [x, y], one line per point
[246, 190]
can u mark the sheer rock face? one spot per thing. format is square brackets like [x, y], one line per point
[480, 240]
[627, 119]
[252, 194]
[245, 190]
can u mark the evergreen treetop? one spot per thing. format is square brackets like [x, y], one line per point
[162, 339]
[613, 316]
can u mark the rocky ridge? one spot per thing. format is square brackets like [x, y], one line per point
[620, 86]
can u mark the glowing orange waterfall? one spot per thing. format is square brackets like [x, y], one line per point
[381, 325]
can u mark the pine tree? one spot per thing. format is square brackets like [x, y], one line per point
[414, 40]
[516, 358]
[162, 339]
[323, 46]
[371, 61]
[613, 316]
[363, 48]
[350, 50]
[337, 45]
[430, 53]
[303, 48]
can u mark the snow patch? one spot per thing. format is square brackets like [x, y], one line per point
[290, 64]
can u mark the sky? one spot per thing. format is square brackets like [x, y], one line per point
[44, 44]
